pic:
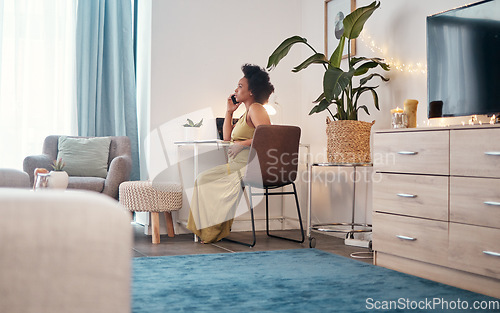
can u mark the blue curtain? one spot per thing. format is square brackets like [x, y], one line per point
[106, 93]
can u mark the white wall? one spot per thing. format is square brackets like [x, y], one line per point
[198, 47]
[197, 50]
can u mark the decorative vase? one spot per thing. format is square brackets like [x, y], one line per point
[191, 133]
[348, 141]
[410, 108]
[58, 180]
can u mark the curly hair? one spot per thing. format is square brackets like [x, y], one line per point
[258, 82]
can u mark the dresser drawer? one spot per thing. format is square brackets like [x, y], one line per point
[475, 249]
[475, 152]
[475, 201]
[412, 152]
[413, 195]
[413, 238]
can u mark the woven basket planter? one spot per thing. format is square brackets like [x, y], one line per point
[348, 141]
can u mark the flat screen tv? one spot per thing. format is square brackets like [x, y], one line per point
[463, 59]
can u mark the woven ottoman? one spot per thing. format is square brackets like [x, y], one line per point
[144, 196]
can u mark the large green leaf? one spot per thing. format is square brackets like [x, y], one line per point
[283, 50]
[354, 22]
[335, 81]
[371, 63]
[315, 109]
[323, 105]
[375, 98]
[336, 57]
[364, 108]
[356, 60]
[361, 90]
[318, 58]
[364, 80]
[364, 68]
[321, 97]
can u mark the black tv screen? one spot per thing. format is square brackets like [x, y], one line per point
[463, 59]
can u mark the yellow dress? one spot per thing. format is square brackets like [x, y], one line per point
[217, 191]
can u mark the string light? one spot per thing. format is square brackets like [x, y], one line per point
[394, 63]
[493, 119]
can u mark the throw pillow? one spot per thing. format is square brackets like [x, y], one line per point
[84, 156]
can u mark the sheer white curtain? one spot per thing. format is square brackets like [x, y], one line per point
[37, 75]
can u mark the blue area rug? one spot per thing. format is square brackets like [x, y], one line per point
[301, 280]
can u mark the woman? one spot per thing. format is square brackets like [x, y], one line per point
[217, 191]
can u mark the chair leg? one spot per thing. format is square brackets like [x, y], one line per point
[169, 224]
[298, 213]
[253, 223]
[267, 212]
[155, 227]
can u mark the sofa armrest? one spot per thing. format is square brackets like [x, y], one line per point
[64, 252]
[14, 178]
[119, 171]
[36, 161]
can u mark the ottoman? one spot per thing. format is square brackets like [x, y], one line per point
[145, 196]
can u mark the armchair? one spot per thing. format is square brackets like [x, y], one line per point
[119, 166]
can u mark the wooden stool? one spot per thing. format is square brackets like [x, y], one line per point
[145, 196]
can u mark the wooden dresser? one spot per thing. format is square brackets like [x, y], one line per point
[436, 202]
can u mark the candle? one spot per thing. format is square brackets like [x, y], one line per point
[398, 119]
[396, 110]
[410, 106]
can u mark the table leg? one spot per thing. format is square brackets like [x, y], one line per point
[155, 227]
[195, 165]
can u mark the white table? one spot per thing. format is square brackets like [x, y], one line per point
[196, 144]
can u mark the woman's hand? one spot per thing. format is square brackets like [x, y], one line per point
[234, 149]
[231, 107]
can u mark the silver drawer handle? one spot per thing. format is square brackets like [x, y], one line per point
[408, 152]
[492, 253]
[406, 195]
[495, 153]
[406, 238]
[492, 203]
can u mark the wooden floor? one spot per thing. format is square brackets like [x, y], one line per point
[184, 244]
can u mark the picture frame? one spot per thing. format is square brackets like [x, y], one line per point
[335, 11]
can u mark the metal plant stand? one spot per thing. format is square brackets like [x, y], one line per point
[348, 228]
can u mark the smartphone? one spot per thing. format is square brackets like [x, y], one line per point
[233, 97]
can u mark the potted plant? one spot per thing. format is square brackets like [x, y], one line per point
[192, 129]
[58, 178]
[348, 138]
